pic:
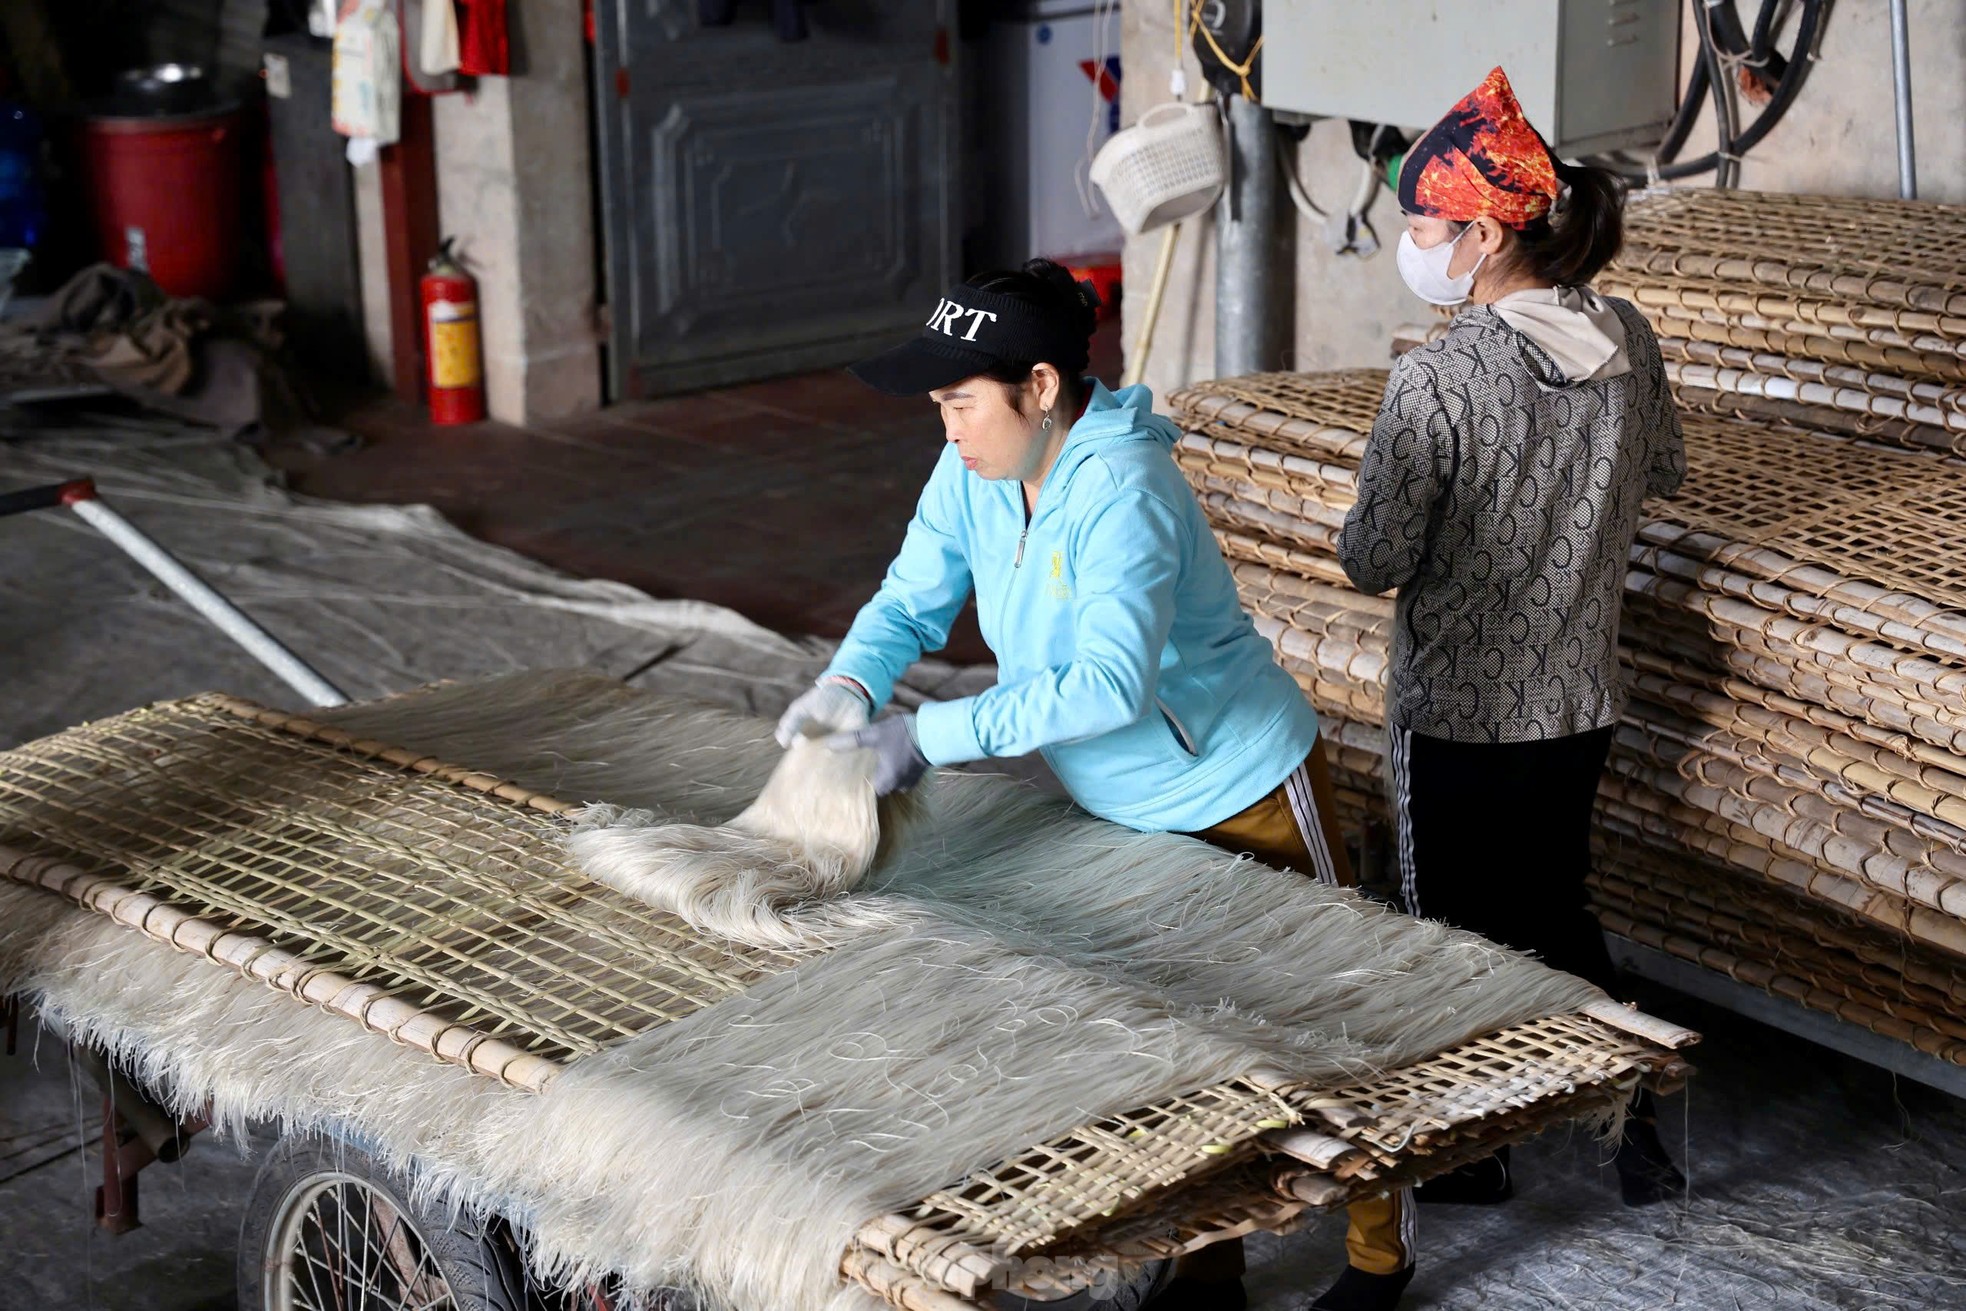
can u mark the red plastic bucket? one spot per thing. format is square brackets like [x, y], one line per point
[164, 194]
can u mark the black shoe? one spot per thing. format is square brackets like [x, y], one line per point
[1185, 1294]
[1486, 1182]
[1646, 1175]
[1356, 1290]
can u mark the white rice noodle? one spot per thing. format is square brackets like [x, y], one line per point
[774, 875]
[1041, 970]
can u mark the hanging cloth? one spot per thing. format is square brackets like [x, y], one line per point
[483, 47]
[429, 47]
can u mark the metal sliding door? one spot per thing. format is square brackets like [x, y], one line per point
[770, 206]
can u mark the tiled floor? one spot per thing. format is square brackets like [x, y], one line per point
[784, 500]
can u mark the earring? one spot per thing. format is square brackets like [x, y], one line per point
[1047, 421]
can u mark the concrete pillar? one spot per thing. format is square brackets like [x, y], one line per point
[374, 272]
[515, 187]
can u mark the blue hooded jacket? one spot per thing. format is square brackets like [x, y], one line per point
[1123, 653]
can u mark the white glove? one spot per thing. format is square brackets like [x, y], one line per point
[899, 762]
[834, 705]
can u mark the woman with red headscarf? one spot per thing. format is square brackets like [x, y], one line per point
[1499, 494]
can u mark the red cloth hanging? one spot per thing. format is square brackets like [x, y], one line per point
[483, 49]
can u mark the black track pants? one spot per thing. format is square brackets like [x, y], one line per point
[1496, 838]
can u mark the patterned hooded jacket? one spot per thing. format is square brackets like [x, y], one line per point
[1501, 500]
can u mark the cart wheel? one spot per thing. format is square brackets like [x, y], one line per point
[327, 1228]
[1110, 1292]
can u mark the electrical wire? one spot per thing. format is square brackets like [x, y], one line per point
[1809, 29]
[1242, 70]
[1355, 218]
[1721, 85]
[1295, 186]
[1103, 12]
[1759, 54]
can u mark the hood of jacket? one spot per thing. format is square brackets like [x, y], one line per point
[1111, 420]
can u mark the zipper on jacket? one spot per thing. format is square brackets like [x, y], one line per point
[1182, 737]
[1031, 510]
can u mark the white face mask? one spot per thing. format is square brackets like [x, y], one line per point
[1425, 270]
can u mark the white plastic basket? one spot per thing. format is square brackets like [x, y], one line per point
[1164, 168]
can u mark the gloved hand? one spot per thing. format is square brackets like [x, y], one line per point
[900, 764]
[831, 706]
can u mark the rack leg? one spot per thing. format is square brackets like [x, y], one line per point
[116, 1200]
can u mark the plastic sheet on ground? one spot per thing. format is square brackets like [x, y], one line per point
[379, 598]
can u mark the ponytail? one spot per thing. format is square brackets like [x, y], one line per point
[1052, 289]
[1581, 235]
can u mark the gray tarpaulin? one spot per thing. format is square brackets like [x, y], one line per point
[379, 598]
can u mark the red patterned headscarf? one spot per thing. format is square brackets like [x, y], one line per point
[1483, 159]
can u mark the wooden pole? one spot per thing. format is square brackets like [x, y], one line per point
[410, 236]
[256, 958]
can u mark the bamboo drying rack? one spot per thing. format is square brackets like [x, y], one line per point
[367, 880]
[1796, 628]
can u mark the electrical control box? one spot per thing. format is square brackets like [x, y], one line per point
[1592, 75]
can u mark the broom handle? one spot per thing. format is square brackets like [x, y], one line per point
[44, 498]
[1136, 367]
[80, 496]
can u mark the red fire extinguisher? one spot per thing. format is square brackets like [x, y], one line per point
[454, 361]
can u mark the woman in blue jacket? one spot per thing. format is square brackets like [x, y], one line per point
[1124, 656]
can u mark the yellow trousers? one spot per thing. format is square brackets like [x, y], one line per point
[1296, 828]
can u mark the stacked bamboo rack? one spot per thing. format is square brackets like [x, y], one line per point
[1830, 313]
[1786, 800]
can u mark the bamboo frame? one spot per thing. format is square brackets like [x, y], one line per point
[1316, 1148]
[1206, 1158]
[1797, 416]
[1786, 945]
[1888, 252]
[255, 958]
[447, 887]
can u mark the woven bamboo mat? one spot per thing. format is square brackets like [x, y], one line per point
[434, 904]
[1876, 349]
[1325, 416]
[1932, 787]
[1251, 1156]
[1798, 416]
[1681, 297]
[447, 895]
[1773, 378]
[1789, 946]
[1823, 381]
[1837, 314]
[1629, 807]
[1777, 503]
[1876, 695]
[1723, 907]
[1887, 252]
[1858, 834]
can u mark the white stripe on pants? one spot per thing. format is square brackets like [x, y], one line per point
[1401, 743]
[1303, 809]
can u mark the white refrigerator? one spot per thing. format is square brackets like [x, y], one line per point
[1052, 94]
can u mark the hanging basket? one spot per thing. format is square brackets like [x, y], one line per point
[1164, 168]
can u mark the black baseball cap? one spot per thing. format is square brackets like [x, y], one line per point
[972, 331]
